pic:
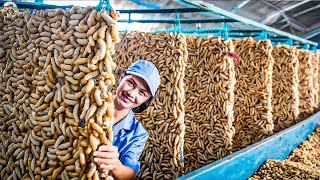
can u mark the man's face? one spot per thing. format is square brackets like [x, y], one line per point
[131, 92]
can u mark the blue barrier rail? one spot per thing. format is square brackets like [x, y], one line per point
[244, 163]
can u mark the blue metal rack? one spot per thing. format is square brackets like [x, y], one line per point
[244, 163]
[199, 7]
[36, 5]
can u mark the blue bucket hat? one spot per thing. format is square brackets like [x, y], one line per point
[147, 71]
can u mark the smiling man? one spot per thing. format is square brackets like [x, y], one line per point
[138, 85]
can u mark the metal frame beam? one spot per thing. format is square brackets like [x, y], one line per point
[299, 14]
[239, 6]
[182, 21]
[36, 5]
[122, 11]
[145, 11]
[210, 7]
[312, 34]
[146, 4]
[290, 21]
[284, 9]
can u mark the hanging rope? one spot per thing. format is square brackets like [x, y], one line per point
[263, 35]
[38, 1]
[306, 46]
[176, 28]
[225, 31]
[314, 49]
[177, 25]
[289, 42]
[104, 4]
[129, 23]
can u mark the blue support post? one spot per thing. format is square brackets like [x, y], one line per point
[225, 31]
[129, 24]
[177, 26]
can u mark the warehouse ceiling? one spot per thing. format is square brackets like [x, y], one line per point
[299, 17]
[296, 17]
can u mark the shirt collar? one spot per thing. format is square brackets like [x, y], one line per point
[125, 123]
[129, 120]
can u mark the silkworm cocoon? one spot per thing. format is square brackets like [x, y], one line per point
[66, 36]
[97, 96]
[91, 111]
[70, 102]
[58, 142]
[72, 81]
[64, 146]
[42, 107]
[78, 75]
[75, 96]
[93, 29]
[84, 69]
[97, 127]
[114, 14]
[76, 16]
[81, 61]
[85, 10]
[101, 111]
[85, 107]
[71, 122]
[113, 79]
[91, 41]
[102, 31]
[76, 112]
[102, 45]
[66, 67]
[90, 76]
[47, 172]
[92, 67]
[94, 142]
[115, 34]
[88, 87]
[108, 19]
[83, 41]
[91, 20]
[56, 172]
[74, 22]
[82, 156]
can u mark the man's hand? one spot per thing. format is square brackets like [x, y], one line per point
[107, 157]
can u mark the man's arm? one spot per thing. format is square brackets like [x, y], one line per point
[107, 157]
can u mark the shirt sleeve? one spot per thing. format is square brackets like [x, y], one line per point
[131, 158]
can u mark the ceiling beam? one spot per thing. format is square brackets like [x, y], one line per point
[290, 21]
[146, 4]
[312, 34]
[239, 6]
[284, 9]
[298, 14]
[217, 10]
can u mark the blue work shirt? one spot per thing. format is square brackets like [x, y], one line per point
[130, 137]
